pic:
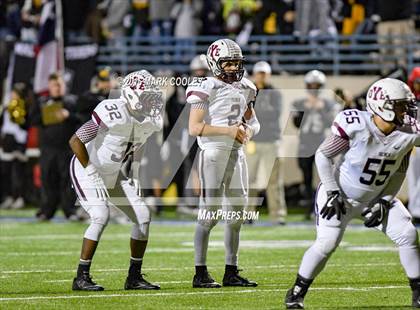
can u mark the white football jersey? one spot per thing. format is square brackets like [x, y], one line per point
[366, 168]
[226, 105]
[120, 134]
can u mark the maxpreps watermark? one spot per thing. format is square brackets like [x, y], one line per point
[220, 214]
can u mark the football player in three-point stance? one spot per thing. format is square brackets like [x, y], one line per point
[223, 118]
[116, 131]
[364, 183]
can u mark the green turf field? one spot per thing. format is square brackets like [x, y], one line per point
[38, 262]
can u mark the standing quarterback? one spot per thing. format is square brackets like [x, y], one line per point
[117, 130]
[223, 119]
[364, 182]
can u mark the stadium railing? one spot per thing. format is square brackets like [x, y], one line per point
[357, 54]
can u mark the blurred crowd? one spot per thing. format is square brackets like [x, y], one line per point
[46, 122]
[107, 19]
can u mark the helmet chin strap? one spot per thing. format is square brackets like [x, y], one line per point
[230, 77]
[396, 122]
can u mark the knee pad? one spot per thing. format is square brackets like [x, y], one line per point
[140, 231]
[207, 213]
[235, 224]
[99, 215]
[236, 221]
[142, 211]
[408, 237]
[207, 223]
[326, 246]
[94, 231]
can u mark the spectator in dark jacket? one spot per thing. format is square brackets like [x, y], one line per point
[75, 14]
[312, 115]
[275, 17]
[212, 17]
[265, 164]
[90, 99]
[56, 118]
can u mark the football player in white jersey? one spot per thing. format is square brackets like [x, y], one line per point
[223, 119]
[364, 182]
[117, 130]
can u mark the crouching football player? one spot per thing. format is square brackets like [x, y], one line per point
[116, 131]
[364, 183]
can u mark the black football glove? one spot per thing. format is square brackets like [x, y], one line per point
[375, 215]
[333, 206]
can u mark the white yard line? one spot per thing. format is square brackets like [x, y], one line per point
[192, 267]
[200, 292]
[157, 234]
[99, 280]
[249, 245]
[109, 236]
[75, 252]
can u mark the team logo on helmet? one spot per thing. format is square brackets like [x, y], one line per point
[222, 51]
[391, 99]
[141, 93]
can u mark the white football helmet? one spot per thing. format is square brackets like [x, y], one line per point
[225, 50]
[261, 66]
[141, 92]
[314, 81]
[315, 77]
[390, 99]
[199, 63]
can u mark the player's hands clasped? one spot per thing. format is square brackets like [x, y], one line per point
[333, 206]
[97, 181]
[375, 215]
[238, 133]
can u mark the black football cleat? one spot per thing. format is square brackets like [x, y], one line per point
[139, 283]
[293, 301]
[416, 299]
[234, 279]
[85, 283]
[205, 281]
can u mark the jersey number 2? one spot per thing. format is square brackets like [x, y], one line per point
[233, 117]
[373, 174]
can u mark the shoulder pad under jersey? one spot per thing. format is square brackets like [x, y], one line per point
[199, 90]
[348, 122]
[110, 112]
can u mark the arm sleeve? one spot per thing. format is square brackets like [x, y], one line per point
[254, 124]
[88, 131]
[331, 147]
[251, 92]
[199, 105]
